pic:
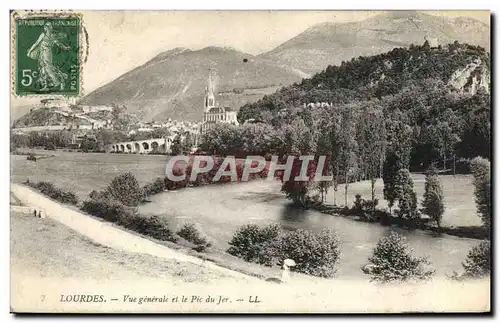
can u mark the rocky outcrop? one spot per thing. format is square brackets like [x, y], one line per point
[471, 78]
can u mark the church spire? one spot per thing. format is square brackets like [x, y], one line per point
[209, 92]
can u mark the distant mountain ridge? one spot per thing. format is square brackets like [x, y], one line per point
[171, 84]
[331, 43]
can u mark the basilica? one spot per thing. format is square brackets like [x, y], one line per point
[213, 113]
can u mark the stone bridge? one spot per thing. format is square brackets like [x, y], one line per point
[145, 146]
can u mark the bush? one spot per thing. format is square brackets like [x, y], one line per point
[108, 209]
[478, 262]
[315, 254]
[392, 261]
[193, 235]
[250, 240]
[157, 186]
[173, 185]
[364, 208]
[151, 225]
[114, 211]
[125, 188]
[47, 188]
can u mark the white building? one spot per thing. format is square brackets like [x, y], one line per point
[213, 113]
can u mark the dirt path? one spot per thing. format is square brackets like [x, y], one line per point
[106, 234]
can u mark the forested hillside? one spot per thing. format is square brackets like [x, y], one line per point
[459, 66]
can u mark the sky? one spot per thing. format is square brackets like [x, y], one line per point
[122, 40]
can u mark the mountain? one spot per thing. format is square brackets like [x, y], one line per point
[172, 84]
[456, 67]
[331, 43]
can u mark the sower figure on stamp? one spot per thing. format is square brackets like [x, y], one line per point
[49, 74]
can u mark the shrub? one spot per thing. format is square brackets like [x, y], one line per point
[249, 241]
[157, 186]
[478, 261]
[125, 188]
[173, 185]
[108, 209]
[193, 235]
[68, 197]
[114, 211]
[47, 188]
[315, 254]
[364, 208]
[151, 225]
[392, 261]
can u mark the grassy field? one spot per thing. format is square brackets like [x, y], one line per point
[46, 248]
[83, 172]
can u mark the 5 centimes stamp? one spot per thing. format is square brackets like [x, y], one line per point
[329, 162]
[47, 55]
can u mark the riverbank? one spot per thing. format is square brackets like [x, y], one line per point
[385, 219]
[50, 262]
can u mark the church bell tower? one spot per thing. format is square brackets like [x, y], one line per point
[209, 93]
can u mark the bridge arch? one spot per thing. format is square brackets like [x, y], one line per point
[129, 147]
[122, 147]
[137, 147]
[155, 145]
[145, 145]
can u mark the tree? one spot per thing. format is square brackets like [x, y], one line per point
[188, 143]
[478, 261]
[126, 189]
[392, 261]
[298, 191]
[88, 144]
[390, 170]
[176, 147]
[399, 136]
[433, 197]
[372, 145]
[348, 146]
[443, 134]
[333, 132]
[480, 169]
[407, 198]
[323, 149]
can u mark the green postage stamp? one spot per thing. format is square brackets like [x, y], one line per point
[47, 55]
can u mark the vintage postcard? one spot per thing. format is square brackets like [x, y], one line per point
[250, 161]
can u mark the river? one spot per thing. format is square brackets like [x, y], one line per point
[221, 209]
